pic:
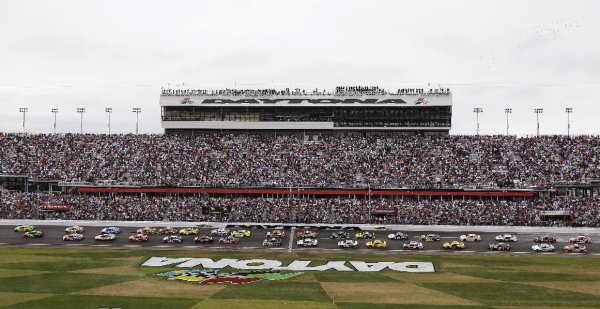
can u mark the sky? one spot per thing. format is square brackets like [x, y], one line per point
[491, 54]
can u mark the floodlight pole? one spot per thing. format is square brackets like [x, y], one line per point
[507, 111]
[108, 111]
[537, 112]
[23, 110]
[54, 111]
[478, 110]
[81, 111]
[569, 110]
[137, 111]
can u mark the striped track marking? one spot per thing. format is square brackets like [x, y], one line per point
[291, 243]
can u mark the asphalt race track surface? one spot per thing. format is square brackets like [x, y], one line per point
[53, 238]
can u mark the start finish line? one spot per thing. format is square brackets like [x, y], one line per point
[297, 265]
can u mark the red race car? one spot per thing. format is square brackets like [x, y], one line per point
[306, 234]
[581, 239]
[139, 237]
[229, 240]
[576, 248]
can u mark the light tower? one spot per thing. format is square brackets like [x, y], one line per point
[507, 111]
[137, 111]
[23, 110]
[108, 111]
[54, 111]
[81, 111]
[537, 112]
[477, 110]
[569, 110]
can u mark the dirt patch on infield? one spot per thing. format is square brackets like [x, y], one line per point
[154, 288]
[436, 277]
[16, 298]
[9, 273]
[390, 293]
[263, 304]
[577, 287]
[118, 270]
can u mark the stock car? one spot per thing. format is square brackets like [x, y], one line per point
[220, 232]
[306, 234]
[413, 245]
[454, 245]
[276, 233]
[500, 246]
[76, 229]
[146, 231]
[398, 236]
[339, 235]
[470, 237]
[545, 238]
[365, 235]
[506, 238]
[241, 233]
[576, 248]
[203, 239]
[172, 239]
[581, 239]
[189, 231]
[377, 244]
[25, 228]
[167, 231]
[348, 243]
[105, 237]
[110, 230]
[229, 240]
[33, 234]
[543, 247]
[72, 237]
[139, 237]
[307, 242]
[272, 242]
[430, 237]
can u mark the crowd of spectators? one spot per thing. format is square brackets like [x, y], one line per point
[580, 211]
[339, 91]
[348, 160]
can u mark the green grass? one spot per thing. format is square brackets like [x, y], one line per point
[95, 302]
[331, 276]
[59, 282]
[295, 291]
[398, 306]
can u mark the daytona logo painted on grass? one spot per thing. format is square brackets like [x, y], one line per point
[261, 264]
[213, 276]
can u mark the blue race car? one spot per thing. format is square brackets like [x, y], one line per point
[110, 230]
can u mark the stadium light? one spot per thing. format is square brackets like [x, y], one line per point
[137, 112]
[478, 110]
[54, 111]
[81, 111]
[23, 110]
[507, 111]
[537, 112]
[108, 111]
[569, 110]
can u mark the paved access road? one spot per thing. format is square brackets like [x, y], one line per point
[53, 237]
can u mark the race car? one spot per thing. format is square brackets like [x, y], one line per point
[276, 233]
[110, 230]
[470, 237]
[545, 238]
[348, 243]
[203, 239]
[506, 238]
[430, 237]
[377, 244]
[413, 245]
[220, 232]
[229, 240]
[454, 245]
[189, 231]
[139, 237]
[33, 234]
[105, 237]
[500, 246]
[272, 242]
[307, 242]
[365, 235]
[75, 229]
[25, 228]
[543, 247]
[576, 248]
[241, 233]
[398, 236]
[146, 231]
[172, 239]
[581, 239]
[72, 237]
[306, 234]
[339, 235]
[167, 231]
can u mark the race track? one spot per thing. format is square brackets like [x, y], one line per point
[53, 237]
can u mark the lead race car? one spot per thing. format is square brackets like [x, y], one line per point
[220, 232]
[398, 236]
[413, 245]
[241, 233]
[76, 229]
[103, 237]
[430, 237]
[500, 246]
[543, 247]
[229, 240]
[171, 239]
[545, 238]
[581, 239]
[189, 231]
[33, 234]
[454, 245]
[307, 242]
[277, 233]
[377, 244]
[110, 230]
[348, 243]
[73, 237]
[470, 237]
[203, 239]
[167, 231]
[339, 235]
[272, 242]
[306, 234]
[506, 238]
[364, 235]
[576, 248]
[25, 228]
[139, 238]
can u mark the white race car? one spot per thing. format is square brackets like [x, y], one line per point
[470, 237]
[413, 245]
[506, 238]
[543, 248]
[220, 232]
[71, 237]
[348, 243]
[307, 242]
[172, 239]
[105, 237]
[75, 229]
[398, 236]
